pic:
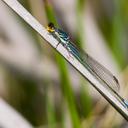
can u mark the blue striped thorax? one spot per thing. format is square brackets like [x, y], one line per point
[63, 35]
[60, 35]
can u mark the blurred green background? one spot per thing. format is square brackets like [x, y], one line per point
[37, 82]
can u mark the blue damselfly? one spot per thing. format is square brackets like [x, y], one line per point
[102, 74]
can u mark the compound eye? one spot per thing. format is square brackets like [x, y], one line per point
[51, 25]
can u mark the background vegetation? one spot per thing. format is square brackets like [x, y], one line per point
[37, 82]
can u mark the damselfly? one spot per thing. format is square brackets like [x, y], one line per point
[102, 74]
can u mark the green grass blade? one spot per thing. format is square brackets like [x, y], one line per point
[65, 82]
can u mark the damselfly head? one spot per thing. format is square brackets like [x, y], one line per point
[50, 27]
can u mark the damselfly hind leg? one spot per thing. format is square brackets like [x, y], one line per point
[69, 51]
[70, 55]
[57, 45]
